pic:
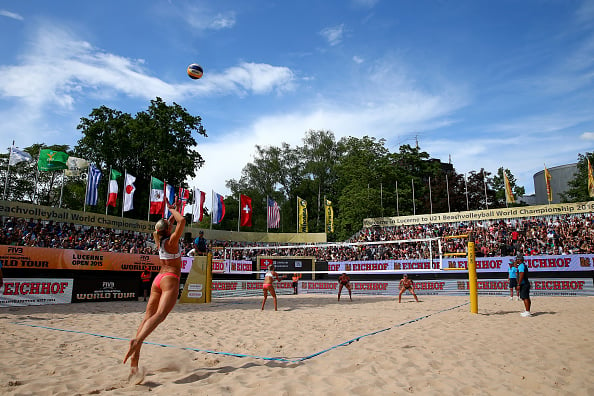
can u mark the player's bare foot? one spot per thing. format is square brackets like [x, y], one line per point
[136, 375]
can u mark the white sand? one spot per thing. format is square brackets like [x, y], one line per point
[496, 352]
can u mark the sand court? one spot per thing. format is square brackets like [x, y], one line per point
[312, 345]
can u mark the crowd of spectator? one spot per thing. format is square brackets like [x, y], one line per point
[550, 235]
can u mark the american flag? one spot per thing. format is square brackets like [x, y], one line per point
[273, 214]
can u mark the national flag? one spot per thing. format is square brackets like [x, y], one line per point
[129, 189]
[301, 215]
[183, 195]
[245, 207]
[112, 197]
[590, 180]
[157, 195]
[509, 195]
[547, 176]
[17, 155]
[329, 217]
[92, 184]
[75, 166]
[198, 208]
[170, 197]
[50, 160]
[273, 214]
[218, 208]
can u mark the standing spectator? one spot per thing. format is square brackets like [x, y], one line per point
[200, 244]
[145, 280]
[295, 280]
[513, 280]
[523, 285]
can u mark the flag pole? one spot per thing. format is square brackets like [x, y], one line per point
[239, 217]
[485, 185]
[448, 191]
[148, 212]
[267, 213]
[107, 199]
[397, 209]
[7, 171]
[466, 191]
[62, 188]
[413, 196]
[36, 196]
[430, 200]
[212, 207]
[124, 191]
[87, 188]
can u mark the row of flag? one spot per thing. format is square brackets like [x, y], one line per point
[51, 160]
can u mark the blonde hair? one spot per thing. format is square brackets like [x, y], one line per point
[161, 228]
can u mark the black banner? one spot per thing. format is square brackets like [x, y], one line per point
[105, 288]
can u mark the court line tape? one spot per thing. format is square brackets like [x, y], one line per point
[278, 359]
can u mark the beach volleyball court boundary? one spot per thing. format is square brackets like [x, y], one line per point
[240, 355]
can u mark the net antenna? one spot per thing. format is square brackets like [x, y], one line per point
[230, 252]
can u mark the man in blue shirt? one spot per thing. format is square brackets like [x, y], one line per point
[523, 284]
[513, 280]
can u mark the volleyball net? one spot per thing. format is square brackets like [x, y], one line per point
[393, 256]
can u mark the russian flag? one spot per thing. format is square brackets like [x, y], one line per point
[218, 208]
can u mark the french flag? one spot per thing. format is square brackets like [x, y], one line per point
[218, 208]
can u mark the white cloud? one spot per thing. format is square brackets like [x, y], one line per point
[201, 17]
[333, 34]
[587, 136]
[59, 70]
[12, 15]
[358, 59]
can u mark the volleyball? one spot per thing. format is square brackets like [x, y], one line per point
[195, 71]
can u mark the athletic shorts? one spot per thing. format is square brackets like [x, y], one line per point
[525, 291]
[513, 283]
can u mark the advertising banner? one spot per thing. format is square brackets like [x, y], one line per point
[18, 292]
[195, 287]
[565, 263]
[48, 258]
[105, 289]
[446, 287]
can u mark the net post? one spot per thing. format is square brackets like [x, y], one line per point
[208, 290]
[472, 278]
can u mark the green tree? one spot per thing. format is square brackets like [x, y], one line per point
[578, 186]
[158, 142]
[498, 184]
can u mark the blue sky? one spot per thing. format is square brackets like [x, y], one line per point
[488, 83]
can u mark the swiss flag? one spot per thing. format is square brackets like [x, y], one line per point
[245, 208]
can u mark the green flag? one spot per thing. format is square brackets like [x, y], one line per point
[50, 160]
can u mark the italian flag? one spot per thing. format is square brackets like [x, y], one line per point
[112, 198]
[157, 195]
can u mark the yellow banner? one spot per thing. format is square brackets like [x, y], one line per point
[301, 215]
[48, 258]
[329, 217]
[477, 215]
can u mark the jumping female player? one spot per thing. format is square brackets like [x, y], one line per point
[165, 287]
[270, 276]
